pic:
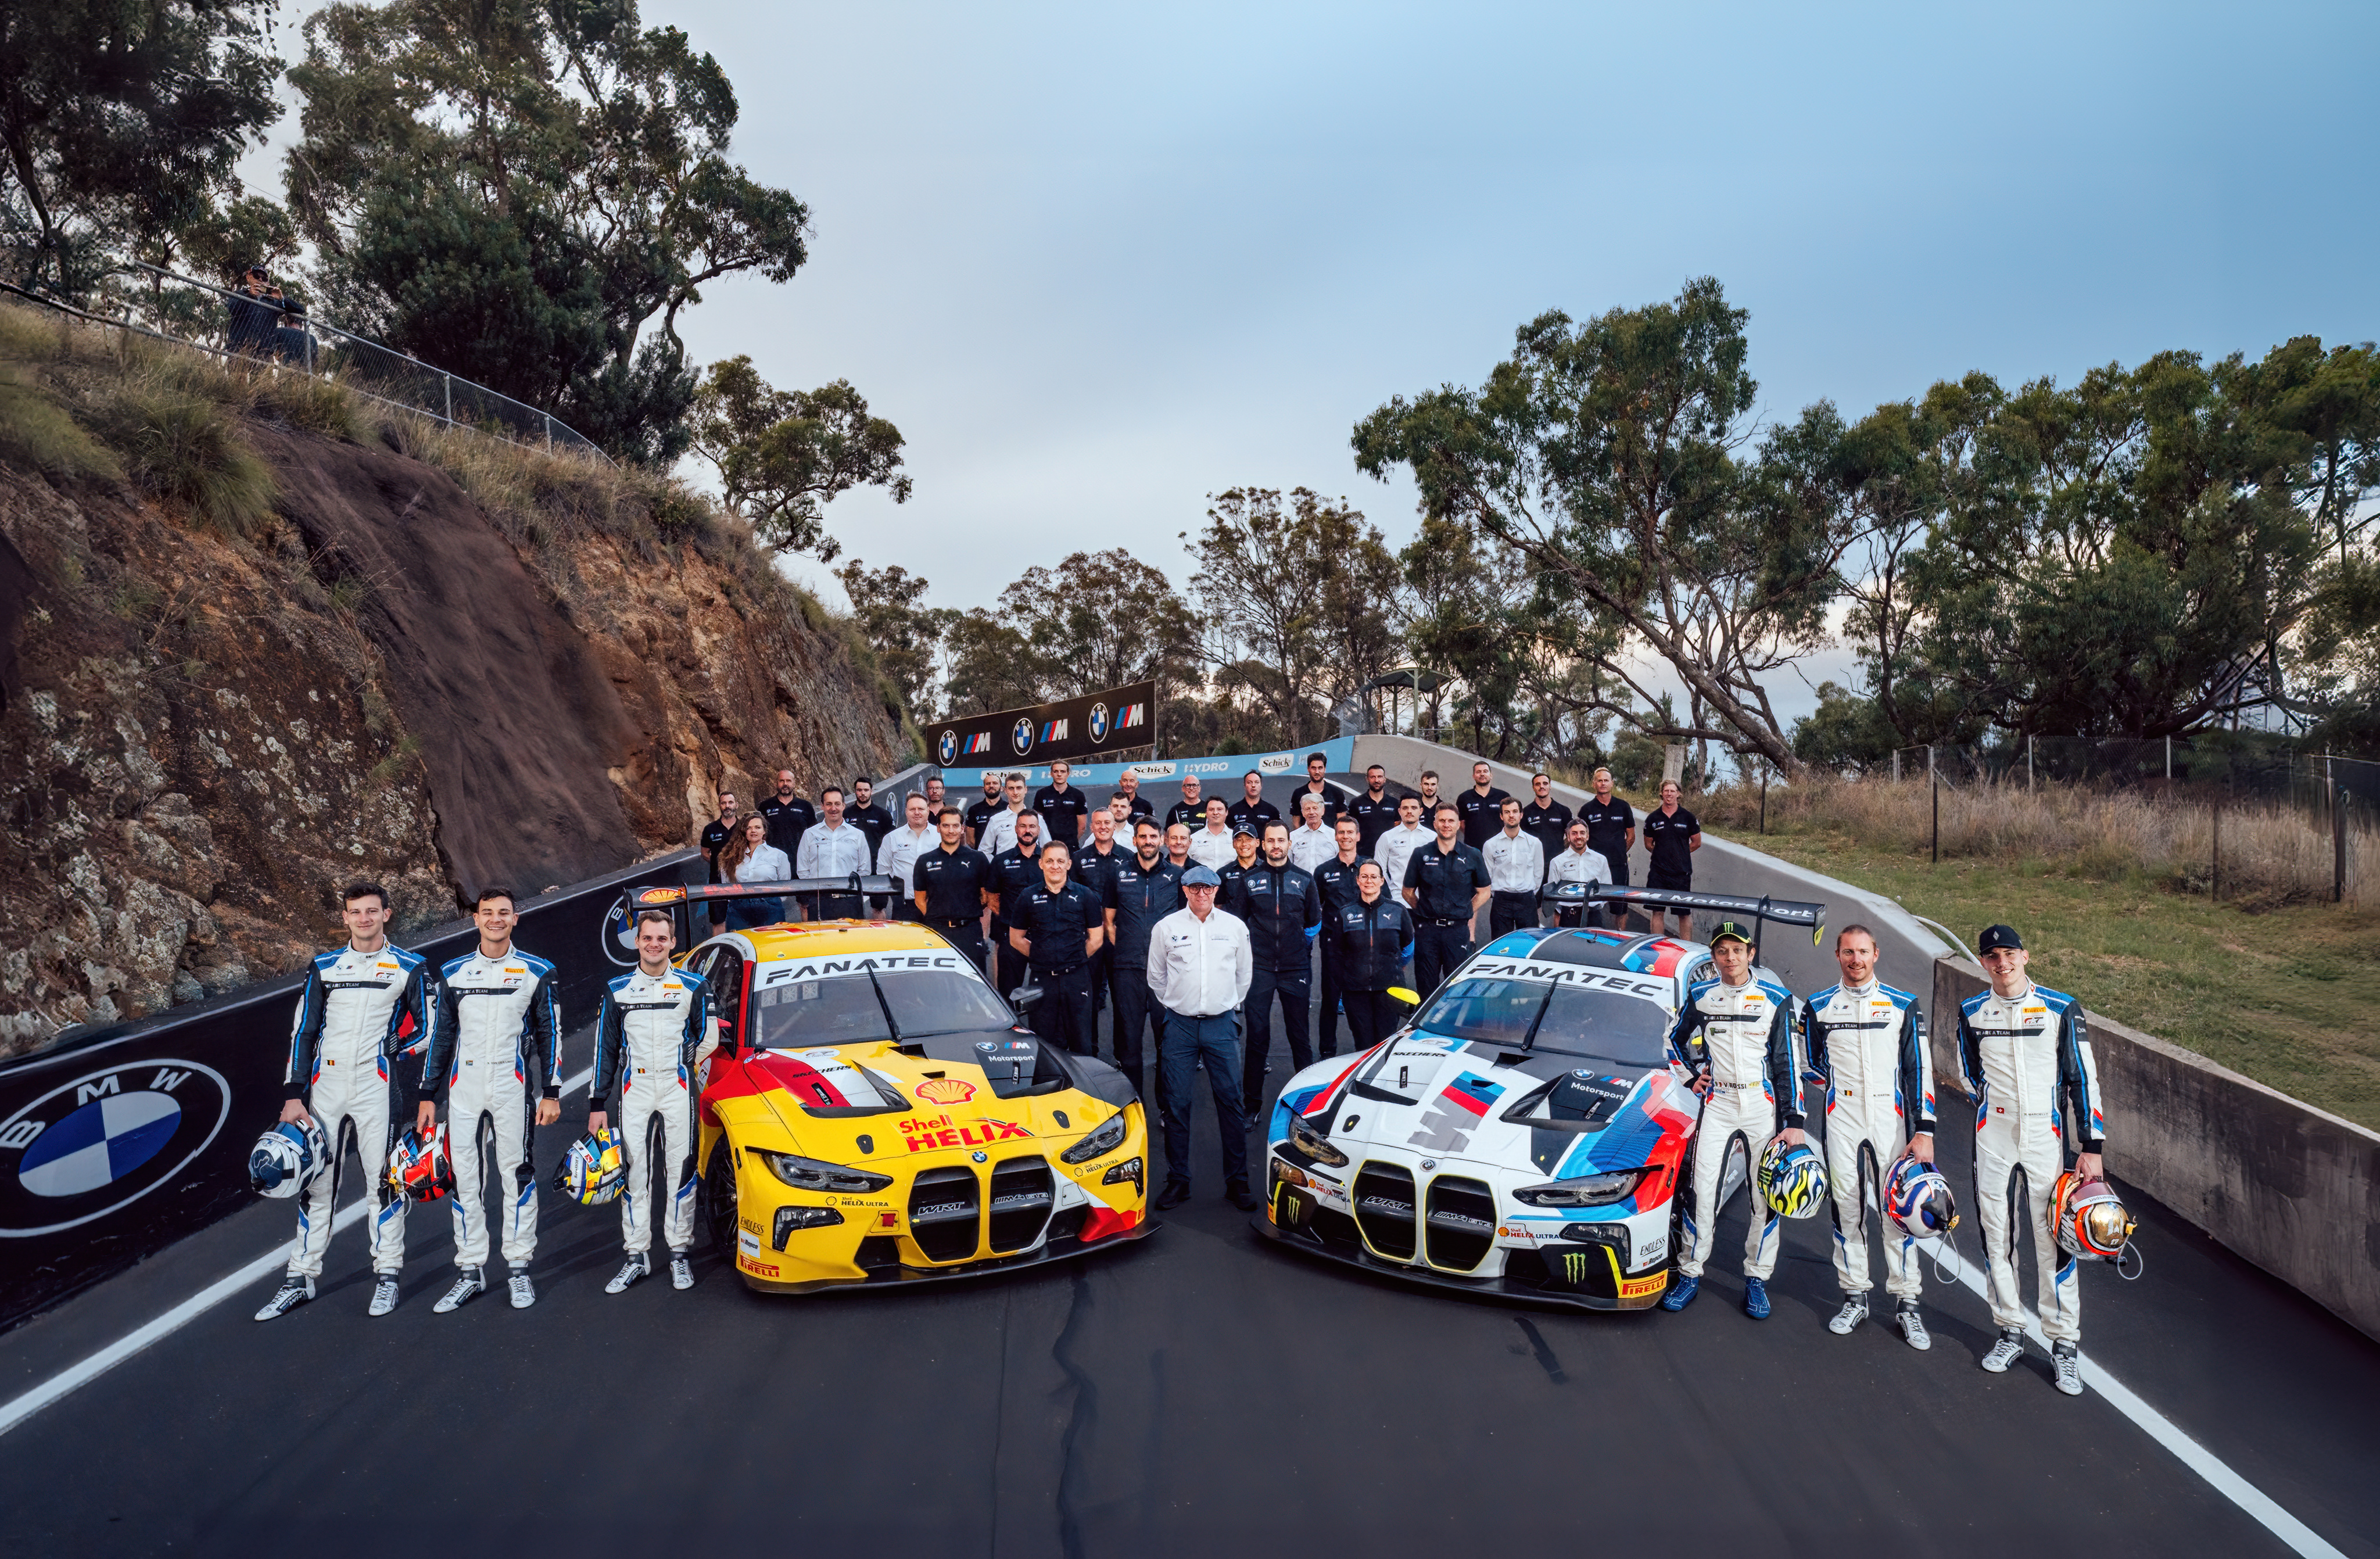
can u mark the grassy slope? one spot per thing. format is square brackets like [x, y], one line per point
[2290, 997]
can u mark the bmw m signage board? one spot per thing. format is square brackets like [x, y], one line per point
[1339, 753]
[116, 1142]
[1115, 721]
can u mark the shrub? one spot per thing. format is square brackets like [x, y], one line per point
[186, 452]
[36, 430]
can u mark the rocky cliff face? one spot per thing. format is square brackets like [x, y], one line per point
[204, 737]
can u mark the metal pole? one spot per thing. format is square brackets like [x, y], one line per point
[2215, 878]
[1896, 765]
[1937, 819]
[2168, 757]
[1764, 798]
[448, 379]
[2337, 846]
[2028, 760]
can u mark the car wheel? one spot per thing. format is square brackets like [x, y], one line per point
[718, 1198]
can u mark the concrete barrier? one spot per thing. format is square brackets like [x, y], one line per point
[2284, 1185]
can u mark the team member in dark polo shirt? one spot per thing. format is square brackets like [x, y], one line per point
[954, 884]
[1062, 804]
[1059, 925]
[1334, 880]
[980, 812]
[1374, 812]
[1481, 808]
[1671, 837]
[1317, 766]
[1370, 940]
[789, 816]
[1012, 871]
[715, 835]
[1096, 859]
[1544, 818]
[1284, 914]
[867, 816]
[1148, 889]
[1191, 810]
[1446, 881]
[1251, 812]
[1136, 806]
[1611, 834]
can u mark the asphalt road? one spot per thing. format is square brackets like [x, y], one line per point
[1202, 1385]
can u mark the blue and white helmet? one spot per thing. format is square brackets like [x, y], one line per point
[1917, 1199]
[1792, 1181]
[286, 1159]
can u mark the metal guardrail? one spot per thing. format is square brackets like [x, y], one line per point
[172, 307]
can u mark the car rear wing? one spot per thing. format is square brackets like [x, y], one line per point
[1784, 911]
[675, 901]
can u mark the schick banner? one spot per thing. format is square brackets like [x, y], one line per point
[1115, 721]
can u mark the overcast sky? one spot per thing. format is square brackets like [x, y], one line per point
[1099, 265]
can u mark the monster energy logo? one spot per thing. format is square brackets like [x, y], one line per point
[1575, 1265]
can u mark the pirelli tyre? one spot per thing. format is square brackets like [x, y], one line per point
[719, 1198]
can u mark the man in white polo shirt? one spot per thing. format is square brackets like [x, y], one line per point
[1200, 969]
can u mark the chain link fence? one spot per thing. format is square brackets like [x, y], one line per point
[267, 327]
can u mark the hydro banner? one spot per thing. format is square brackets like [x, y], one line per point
[1115, 721]
[116, 1143]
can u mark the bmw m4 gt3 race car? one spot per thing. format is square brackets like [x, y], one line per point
[1525, 1135]
[874, 1114]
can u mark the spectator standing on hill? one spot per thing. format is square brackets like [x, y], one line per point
[292, 342]
[250, 314]
[1671, 837]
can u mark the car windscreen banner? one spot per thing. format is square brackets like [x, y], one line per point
[116, 1143]
[1116, 720]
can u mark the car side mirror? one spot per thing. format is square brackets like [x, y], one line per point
[1024, 997]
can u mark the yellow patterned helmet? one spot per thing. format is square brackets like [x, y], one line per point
[2092, 1223]
[593, 1170]
[1793, 1180]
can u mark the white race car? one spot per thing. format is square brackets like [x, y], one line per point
[1526, 1134]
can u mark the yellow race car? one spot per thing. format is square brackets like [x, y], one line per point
[876, 1115]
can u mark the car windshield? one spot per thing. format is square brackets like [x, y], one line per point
[838, 1010]
[939, 1002]
[1497, 1011]
[1629, 1032]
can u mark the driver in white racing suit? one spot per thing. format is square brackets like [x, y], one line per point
[363, 1018]
[1867, 1040]
[497, 1061]
[1735, 1034]
[650, 1035]
[2021, 1050]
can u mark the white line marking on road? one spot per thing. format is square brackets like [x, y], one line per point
[73, 1379]
[2164, 1430]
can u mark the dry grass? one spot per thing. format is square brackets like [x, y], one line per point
[2272, 855]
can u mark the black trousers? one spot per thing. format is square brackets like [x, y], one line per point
[1436, 951]
[1063, 1015]
[1511, 912]
[1295, 991]
[1372, 1015]
[1136, 1013]
[1326, 1020]
[967, 937]
[1011, 962]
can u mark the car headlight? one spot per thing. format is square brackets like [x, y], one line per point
[1306, 1141]
[1130, 1169]
[1106, 1139]
[792, 1218]
[1290, 1175]
[817, 1175]
[1589, 1191]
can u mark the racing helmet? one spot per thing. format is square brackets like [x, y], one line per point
[594, 1170]
[2090, 1220]
[1917, 1198]
[419, 1168]
[1793, 1180]
[286, 1159]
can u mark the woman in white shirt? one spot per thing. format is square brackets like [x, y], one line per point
[749, 858]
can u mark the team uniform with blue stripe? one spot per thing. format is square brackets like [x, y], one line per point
[2020, 1060]
[355, 1052]
[1868, 1044]
[499, 1050]
[1742, 1038]
[646, 1036]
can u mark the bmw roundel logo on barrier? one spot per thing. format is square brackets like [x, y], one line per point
[620, 936]
[104, 1141]
[1020, 736]
[947, 750]
[1098, 722]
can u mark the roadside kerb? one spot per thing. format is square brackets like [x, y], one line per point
[2281, 1184]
